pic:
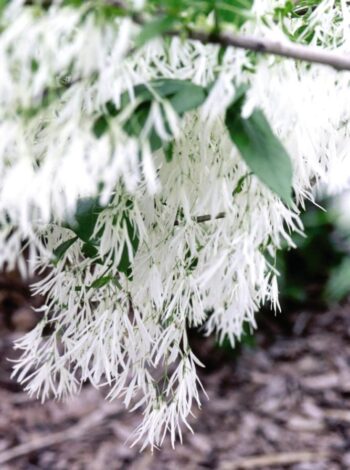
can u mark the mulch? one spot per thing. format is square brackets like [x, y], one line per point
[282, 404]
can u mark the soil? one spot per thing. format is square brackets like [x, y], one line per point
[283, 403]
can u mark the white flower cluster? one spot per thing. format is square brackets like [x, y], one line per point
[197, 231]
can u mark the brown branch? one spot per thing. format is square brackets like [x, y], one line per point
[289, 50]
[286, 49]
[205, 218]
[261, 45]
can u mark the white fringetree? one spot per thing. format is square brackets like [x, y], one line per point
[154, 155]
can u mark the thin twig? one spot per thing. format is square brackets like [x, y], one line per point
[287, 49]
[205, 218]
[261, 45]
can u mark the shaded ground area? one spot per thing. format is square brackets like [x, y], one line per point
[283, 404]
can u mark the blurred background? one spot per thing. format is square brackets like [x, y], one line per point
[280, 399]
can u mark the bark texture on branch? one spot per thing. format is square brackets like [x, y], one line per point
[286, 49]
[290, 50]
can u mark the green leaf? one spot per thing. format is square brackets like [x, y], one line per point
[239, 187]
[135, 124]
[111, 109]
[89, 250]
[261, 149]
[183, 96]
[233, 11]
[240, 95]
[167, 88]
[169, 152]
[60, 251]
[125, 262]
[338, 285]
[187, 98]
[155, 141]
[85, 218]
[153, 29]
[101, 281]
[100, 126]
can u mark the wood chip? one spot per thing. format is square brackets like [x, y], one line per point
[299, 423]
[321, 382]
[273, 460]
[338, 415]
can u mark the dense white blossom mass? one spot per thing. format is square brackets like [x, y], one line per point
[190, 268]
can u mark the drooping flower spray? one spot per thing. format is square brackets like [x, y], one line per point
[120, 176]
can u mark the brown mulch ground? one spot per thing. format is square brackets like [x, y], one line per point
[283, 404]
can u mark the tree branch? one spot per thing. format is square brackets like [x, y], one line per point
[288, 49]
[205, 218]
[261, 45]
